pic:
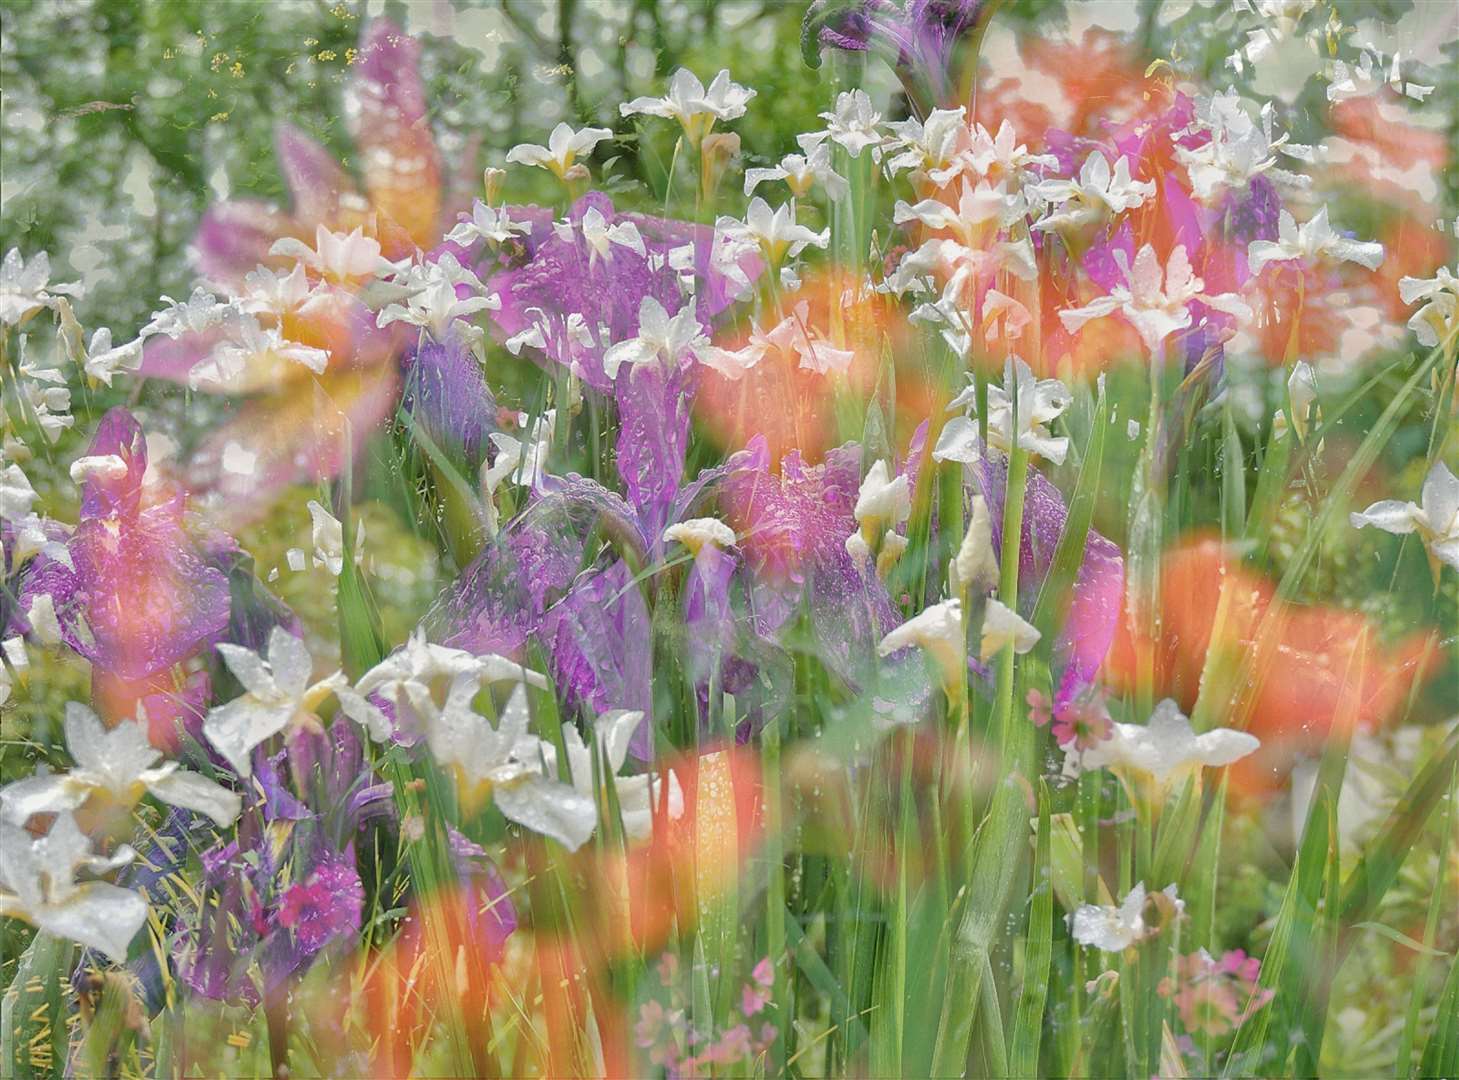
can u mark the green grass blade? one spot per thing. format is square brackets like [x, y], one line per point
[1038, 950]
[1441, 1055]
[1378, 868]
[1404, 1060]
[1058, 587]
[1284, 964]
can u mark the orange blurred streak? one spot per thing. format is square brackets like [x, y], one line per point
[1307, 669]
[1068, 85]
[311, 430]
[403, 990]
[1374, 147]
[653, 890]
[1410, 249]
[791, 407]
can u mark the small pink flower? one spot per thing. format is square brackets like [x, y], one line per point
[1038, 708]
[1083, 722]
[650, 1024]
[753, 1000]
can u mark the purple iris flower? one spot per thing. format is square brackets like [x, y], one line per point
[539, 584]
[446, 394]
[583, 303]
[919, 38]
[280, 904]
[140, 594]
[794, 528]
[1094, 608]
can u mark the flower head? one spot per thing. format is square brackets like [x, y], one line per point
[1098, 194]
[104, 360]
[774, 233]
[1165, 750]
[1025, 424]
[1439, 315]
[660, 337]
[802, 171]
[1115, 929]
[1436, 519]
[509, 765]
[695, 107]
[38, 885]
[435, 304]
[939, 630]
[277, 695]
[919, 38]
[564, 146]
[1156, 303]
[638, 796]
[601, 236]
[1312, 240]
[118, 766]
[697, 533]
[418, 680]
[489, 223]
[882, 505]
[853, 123]
[25, 287]
[338, 257]
[1002, 627]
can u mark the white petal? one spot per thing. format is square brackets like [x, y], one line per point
[249, 669]
[958, 441]
[236, 728]
[1390, 515]
[40, 795]
[99, 915]
[193, 792]
[290, 662]
[552, 809]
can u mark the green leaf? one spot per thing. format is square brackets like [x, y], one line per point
[1287, 957]
[1233, 476]
[1038, 950]
[996, 858]
[1402, 939]
[33, 1033]
[1058, 587]
[1378, 868]
[1441, 1055]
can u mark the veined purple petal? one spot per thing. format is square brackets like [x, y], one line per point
[314, 177]
[793, 531]
[446, 393]
[601, 646]
[386, 112]
[324, 907]
[138, 596]
[561, 282]
[1094, 608]
[117, 435]
[653, 409]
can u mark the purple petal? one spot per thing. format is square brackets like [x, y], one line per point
[653, 409]
[1094, 608]
[233, 238]
[446, 393]
[314, 177]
